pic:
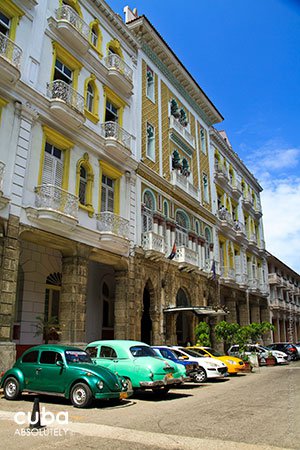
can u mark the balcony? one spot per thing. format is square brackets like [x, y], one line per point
[274, 279]
[187, 257]
[236, 189]
[257, 209]
[181, 181]
[118, 143]
[114, 232]
[153, 245]
[221, 175]
[3, 200]
[247, 201]
[66, 105]
[253, 284]
[119, 73]
[226, 220]
[10, 61]
[54, 207]
[252, 240]
[69, 26]
[241, 279]
[227, 275]
[182, 131]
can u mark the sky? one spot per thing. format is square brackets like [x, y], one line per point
[245, 55]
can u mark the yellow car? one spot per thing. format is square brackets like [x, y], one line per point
[234, 365]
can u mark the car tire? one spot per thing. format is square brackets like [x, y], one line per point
[129, 384]
[11, 388]
[200, 376]
[81, 395]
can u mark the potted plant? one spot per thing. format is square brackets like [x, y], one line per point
[47, 328]
[270, 360]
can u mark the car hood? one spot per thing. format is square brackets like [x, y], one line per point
[227, 358]
[112, 380]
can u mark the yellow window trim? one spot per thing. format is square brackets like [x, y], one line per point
[110, 95]
[98, 49]
[84, 161]
[61, 142]
[115, 174]
[74, 4]
[69, 60]
[9, 9]
[93, 116]
[116, 46]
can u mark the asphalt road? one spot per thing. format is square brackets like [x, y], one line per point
[260, 410]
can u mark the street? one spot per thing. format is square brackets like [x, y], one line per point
[250, 411]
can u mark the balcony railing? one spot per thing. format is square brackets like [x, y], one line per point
[69, 15]
[180, 180]
[239, 227]
[10, 51]
[2, 167]
[112, 223]
[223, 214]
[114, 61]
[111, 130]
[49, 196]
[220, 169]
[241, 278]
[153, 241]
[174, 123]
[227, 272]
[186, 255]
[60, 90]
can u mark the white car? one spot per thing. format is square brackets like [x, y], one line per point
[207, 368]
[261, 351]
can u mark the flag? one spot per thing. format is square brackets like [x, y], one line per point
[173, 252]
[213, 270]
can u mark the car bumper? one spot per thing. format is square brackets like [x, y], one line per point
[108, 395]
[166, 381]
[213, 373]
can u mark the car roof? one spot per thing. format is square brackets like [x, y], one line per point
[121, 346]
[53, 347]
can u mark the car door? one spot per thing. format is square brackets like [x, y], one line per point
[51, 377]
[29, 368]
[108, 357]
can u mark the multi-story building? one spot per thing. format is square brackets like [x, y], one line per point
[241, 254]
[284, 300]
[68, 93]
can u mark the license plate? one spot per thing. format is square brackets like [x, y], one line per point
[169, 375]
[123, 395]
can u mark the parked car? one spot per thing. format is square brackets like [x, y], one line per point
[138, 363]
[207, 368]
[297, 345]
[165, 352]
[286, 347]
[261, 352]
[234, 364]
[63, 371]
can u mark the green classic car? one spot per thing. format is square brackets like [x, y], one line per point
[138, 363]
[63, 371]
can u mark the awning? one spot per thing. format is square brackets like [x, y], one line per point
[198, 310]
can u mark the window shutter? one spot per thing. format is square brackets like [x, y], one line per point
[58, 177]
[48, 169]
[110, 201]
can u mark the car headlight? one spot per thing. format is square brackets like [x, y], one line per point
[100, 384]
[230, 361]
[213, 365]
[124, 383]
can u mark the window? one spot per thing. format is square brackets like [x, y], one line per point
[114, 48]
[4, 24]
[111, 112]
[90, 97]
[150, 84]
[148, 209]
[62, 72]
[53, 165]
[94, 36]
[30, 357]
[182, 238]
[107, 352]
[205, 188]
[107, 194]
[150, 150]
[92, 351]
[52, 296]
[203, 140]
[82, 185]
[48, 357]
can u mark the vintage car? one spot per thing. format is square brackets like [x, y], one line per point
[167, 353]
[63, 371]
[234, 365]
[138, 363]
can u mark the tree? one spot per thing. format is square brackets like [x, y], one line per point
[227, 332]
[48, 328]
[202, 333]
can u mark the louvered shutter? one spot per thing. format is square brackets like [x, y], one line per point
[48, 169]
[110, 200]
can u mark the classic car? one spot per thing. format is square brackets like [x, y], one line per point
[63, 371]
[138, 363]
[165, 352]
[234, 365]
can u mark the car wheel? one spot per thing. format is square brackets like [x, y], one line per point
[11, 388]
[200, 376]
[81, 395]
[129, 385]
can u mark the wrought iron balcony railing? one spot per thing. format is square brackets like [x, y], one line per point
[111, 130]
[114, 61]
[109, 222]
[68, 14]
[60, 90]
[49, 196]
[10, 51]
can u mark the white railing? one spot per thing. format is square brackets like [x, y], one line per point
[253, 283]
[252, 239]
[247, 197]
[112, 223]
[49, 196]
[236, 185]
[239, 227]
[70, 15]
[111, 130]
[223, 214]
[2, 168]
[10, 51]
[187, 255]
[174, 123]
[114, 61]
[241, 278]
[180, 180]
[153, 241]
[60, 90]
[221, 169]
[227, 272]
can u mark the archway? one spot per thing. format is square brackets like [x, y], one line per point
[146, 322]
[183, 324]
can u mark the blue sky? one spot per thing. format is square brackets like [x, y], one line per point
[245, 54]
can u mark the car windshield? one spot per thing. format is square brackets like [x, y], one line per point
[213, 352]
[77, 356]
[142, 350]
[191, 353]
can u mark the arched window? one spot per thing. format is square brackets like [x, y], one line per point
[182, 224]
[114, 48]
[207, 235]
[84, 184]
[197, 227]
[91, 99]
[148, 209]
[52, 297]
[166, 209]
[96, 36]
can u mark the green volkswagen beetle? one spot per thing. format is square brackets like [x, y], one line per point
[64, 371]
[138, 363]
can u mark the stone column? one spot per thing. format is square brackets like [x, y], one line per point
[72, 313]
[244, 313]
[231, 305]
[255, 312]
[121, 307]
[8, 289]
